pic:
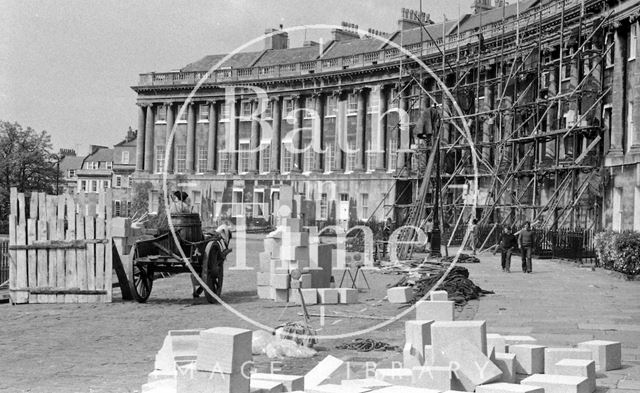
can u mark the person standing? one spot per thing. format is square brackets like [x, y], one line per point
[525, 241]
[428, 228]
[508, 243]
[473, 230]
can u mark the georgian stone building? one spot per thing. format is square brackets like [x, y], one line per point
[546, 90]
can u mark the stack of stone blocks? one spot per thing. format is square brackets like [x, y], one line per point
[292, 247]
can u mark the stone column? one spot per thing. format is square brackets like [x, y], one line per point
[191, 137]
[140, 137]
[149, 139]
[318, 132]
[232, 139]
[341, 132]
[617, 115]
[170, 144]
[276, 137]
[297, 136]
[254, 143]
[636, 88]
[361, 120]
[381, 137]
[403, 158]
[212, 146]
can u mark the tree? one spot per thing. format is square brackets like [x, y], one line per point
[26, 162]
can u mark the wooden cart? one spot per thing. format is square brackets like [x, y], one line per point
[161, 254]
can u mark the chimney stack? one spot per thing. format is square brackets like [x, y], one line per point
[349, 31]
[276, 41]
[411, 19]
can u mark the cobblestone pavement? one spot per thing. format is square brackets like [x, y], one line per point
[111, 347]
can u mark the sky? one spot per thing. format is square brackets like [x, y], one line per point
[67, 66]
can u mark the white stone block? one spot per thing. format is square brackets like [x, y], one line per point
[295, 238]
[418, 334]
[347, 295]
[473, 367]
[280, 281]
[224, 349]
[552, 383]
[439, 296]
[320, 257]
[502, 387]
[443, 333]
[606, 354]
[329, 370]
[264, 292]
[432, 377]
[294, 296]
[411, 357]
[399, 294]
[263, 278]
[157, 375]
[327, 295]
[554, 355]
[496, 341]
[395, 376]
[428, 356]
[176, 343]
[120, 227]
[196, 381]
[281, 295]
[292, 224]
[434, 310]
[506, 362]
[295, 253]
[366, 383]
[262, 386]
[289, 382]
[578, 368]
[310, 296]
[529, 358]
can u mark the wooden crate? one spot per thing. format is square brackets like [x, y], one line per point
[62, 252]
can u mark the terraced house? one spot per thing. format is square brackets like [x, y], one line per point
[546, 95]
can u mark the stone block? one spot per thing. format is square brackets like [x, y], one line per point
[506, 362]
[224, 349]
[552, 383]
[295, 253]
[120, 227]
[405, 389]
[294, 296]
[443, 333]
[176, 343]
[329, 370]
[428, 355]
[310, 296]
[496, 341]
[295, 238]
[271, 248]
[263, 278]
[418, 334]
[306, 281]
[320, 255]
[432, 377]
[502, 387]
[265, 261]
[341, 277]
[606, 354]
[578, 368]
[265, 292]
[158, 375]
[439, 296]
[262, 386]
[434, 310]
[289, 382]
[395, 376]
[281, 295]
[197, 381]
[280, 281]
[365, 383]
[400, 294]
[347, 295]
[295, 284]
[511, 340]
[292, 224]
[339, 257]
[529, 358]
[327, 296]
[554, 355]
[472, 367]
[411, 357]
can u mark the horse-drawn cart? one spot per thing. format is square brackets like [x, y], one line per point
[206, 253]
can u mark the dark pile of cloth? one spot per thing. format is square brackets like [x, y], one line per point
[464, 258]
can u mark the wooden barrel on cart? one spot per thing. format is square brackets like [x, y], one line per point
[189, 225]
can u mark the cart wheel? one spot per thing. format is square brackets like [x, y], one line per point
[142, 280]
[215, 273]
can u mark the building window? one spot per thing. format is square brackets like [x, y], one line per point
[393, 154]
[351, 157]
[364, 206]
[225, 162]
[117, 209]
[371, 157]
[288, 108]
[331, 107]
[566, 71]
[224, 111]
[202, 159]
[161, 114]
[324, 206]
[203, 113]
[609, 47]
[308, 160]
[246, 110]
[154, 202]
[125, 157]
[329, 162]
[630, 127]
[182, 118]
[633, 38]
[71, 173]
[106, 184]
[245, 157]
[267, 113]
[344, 197]
[197, 201]
[265, 158]
[237, 203]
[160, 151]
[181, 159]
[94, 186]
[309, 108]
[352, 104]
[258, 207]
[287, 158]
[118, 181]
[108, 164]
[83, 185]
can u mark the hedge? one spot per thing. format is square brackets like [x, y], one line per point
[619, 251]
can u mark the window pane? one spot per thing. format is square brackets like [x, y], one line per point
[181, 159]
[160, 151]
[202, 159]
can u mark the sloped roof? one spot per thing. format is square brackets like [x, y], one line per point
[238, 60]
[291, 55]
[71, 162]
[101, 155]
[125, 143]
[412, 36]
[352, 47]
[473, 21]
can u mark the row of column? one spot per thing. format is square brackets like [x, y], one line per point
[145, 152]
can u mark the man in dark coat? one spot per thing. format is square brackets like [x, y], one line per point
[526, 239]
[508, 243]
